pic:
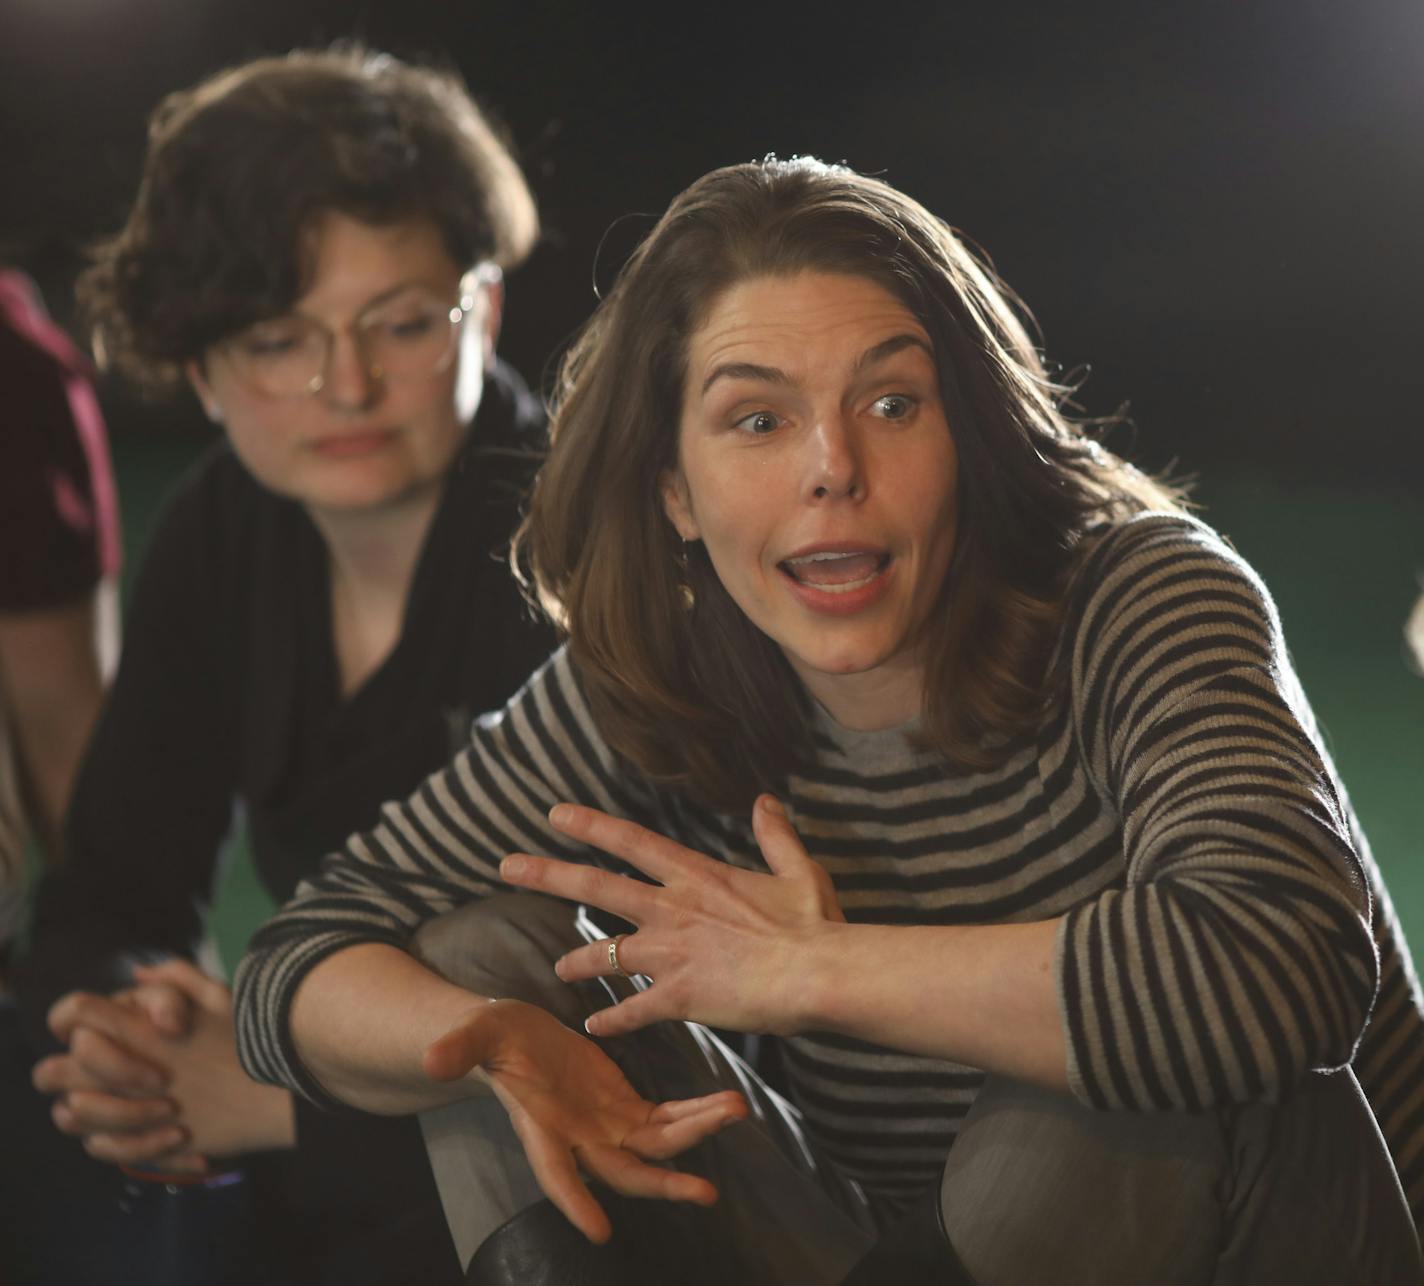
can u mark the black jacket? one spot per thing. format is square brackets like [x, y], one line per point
[226, 716]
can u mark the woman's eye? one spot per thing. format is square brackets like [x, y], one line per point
[270, 345]
[893, 406]
[758, 422]
[409, 327]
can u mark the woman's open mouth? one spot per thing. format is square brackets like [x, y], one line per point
[835, 572]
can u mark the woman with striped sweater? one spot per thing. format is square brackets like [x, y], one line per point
[901, 721]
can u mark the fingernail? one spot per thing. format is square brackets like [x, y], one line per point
[512, 867]
[561, 814]
[772, 805]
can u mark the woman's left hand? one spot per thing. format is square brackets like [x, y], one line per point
[723, 946]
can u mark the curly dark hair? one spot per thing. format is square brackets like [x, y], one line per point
[697, 697]
[240, 165]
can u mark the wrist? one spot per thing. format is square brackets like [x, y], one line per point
[814, 979]
[272, 1120]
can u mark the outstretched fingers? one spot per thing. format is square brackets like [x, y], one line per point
[558, 1178]
[729, 1102]
[656, 855]
[639, 1010]
[629, 899]
[597, 959]
[672, 1128]
[624, 1172]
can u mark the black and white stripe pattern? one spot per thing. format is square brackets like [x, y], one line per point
[1176, 811]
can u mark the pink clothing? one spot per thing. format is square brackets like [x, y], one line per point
[59, 514]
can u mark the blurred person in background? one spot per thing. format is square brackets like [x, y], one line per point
[317, 251]
[59, 561]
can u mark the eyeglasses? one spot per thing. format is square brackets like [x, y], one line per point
[410, 336]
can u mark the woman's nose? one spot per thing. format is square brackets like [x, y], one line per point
[350, 382]
[835, 468]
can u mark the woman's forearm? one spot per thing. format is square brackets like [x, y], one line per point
[982, 995]
[361, 1021]
[52, 680]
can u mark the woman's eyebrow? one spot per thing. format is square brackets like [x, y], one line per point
[385, 296]
[745, 371]
[880, 352]
[376, 300]
[887, 348]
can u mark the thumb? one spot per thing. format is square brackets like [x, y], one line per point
[167, 1008]
[169, 991]
[787, 857]
[463, 1048]
[779, 842]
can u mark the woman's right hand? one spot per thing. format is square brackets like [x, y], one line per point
[573, 1110]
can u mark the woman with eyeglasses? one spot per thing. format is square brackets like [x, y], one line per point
[317, 250]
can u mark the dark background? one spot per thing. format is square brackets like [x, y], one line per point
[1215, 206]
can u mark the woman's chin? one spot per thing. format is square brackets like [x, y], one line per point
[852, 666]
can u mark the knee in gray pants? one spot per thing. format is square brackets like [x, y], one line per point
[1040, 1188]
[502, 947]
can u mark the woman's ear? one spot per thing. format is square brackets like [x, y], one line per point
[198, 381]
[677, 504]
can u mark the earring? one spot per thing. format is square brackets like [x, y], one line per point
[684, 579]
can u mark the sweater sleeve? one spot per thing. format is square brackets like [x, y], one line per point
[435, 850]
[1238, 953]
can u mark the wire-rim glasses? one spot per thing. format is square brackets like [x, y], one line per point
[412, 335]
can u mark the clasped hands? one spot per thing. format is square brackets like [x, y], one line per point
[721, 946]
[151, 1077]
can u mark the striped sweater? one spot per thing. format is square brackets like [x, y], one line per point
[1176, 811]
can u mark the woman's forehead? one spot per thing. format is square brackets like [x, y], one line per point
[808, 314]
[349, 263]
